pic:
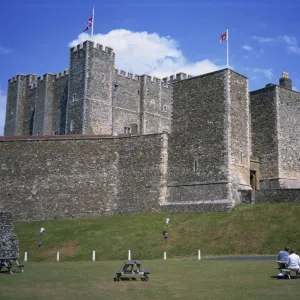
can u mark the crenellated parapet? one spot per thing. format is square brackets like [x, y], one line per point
[62, 74]
[127, 74]
[176, 77]
[15, 78]
[83, 46]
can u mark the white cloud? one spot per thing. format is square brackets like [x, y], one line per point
[148, 53]
[247, 47]
[290, 42]
[266, 72]
[2, 111]
[264, 40]
[4, 50]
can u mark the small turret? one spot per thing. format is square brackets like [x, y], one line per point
[285, 81]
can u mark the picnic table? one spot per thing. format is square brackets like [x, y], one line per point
[284, 270]
[8, 262]
[131, 269]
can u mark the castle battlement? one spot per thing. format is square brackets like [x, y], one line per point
[127, 74]
[82, 46]
[44, 76]
[62, 74]
[15, 78]
[176, 77]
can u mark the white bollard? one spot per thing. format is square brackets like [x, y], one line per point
[57, 256]
[129, 255]
[25, 256]
[165, 255]
[199, 255]
[94, 255]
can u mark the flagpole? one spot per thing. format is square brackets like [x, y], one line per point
[93, 20]
[227, 53]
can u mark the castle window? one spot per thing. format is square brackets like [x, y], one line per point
[195, 164]
[74, 97]
[71, 125]
[138, 92]
[165, 108]
[127, 130]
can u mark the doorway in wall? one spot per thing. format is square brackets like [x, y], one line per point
[253, 183]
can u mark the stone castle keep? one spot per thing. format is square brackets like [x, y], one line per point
[93, 140]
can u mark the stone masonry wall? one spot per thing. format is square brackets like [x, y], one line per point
[239, 136]
[39, 113]
[11, 106]
[29, 107]
[126, 101]
[264, 134]
[99, 86]
[15, 105]
[277, 196]
[80, 177]
[76, 90]
[9, 243]
[48, 105]
[289, 138]
[59, 102]
[198, 148]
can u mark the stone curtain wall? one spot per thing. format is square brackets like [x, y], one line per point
[239, 137]
[289, 141]
[81, 177]
[264, 134]
[9, 243]
[277, 196]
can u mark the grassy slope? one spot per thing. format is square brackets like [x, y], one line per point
[253, 229]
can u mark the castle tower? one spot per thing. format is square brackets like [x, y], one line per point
[209, 147]
[42, 124]
[16, 95]
[91, 73]
[275, 118]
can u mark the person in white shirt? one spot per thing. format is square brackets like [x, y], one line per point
[293, 262]
[42, 230]
[168, 220]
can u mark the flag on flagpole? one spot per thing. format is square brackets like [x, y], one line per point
[89, 24]
[223, 37]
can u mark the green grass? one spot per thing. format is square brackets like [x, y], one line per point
[170, 279]
[252, 229]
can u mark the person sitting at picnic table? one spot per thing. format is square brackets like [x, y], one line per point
[293, 262]
[282, 257]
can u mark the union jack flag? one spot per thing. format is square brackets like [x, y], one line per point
[89, 24]
[223, 37]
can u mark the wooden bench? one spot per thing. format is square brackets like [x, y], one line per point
[131, 269]
[8, 262]
[287, 272]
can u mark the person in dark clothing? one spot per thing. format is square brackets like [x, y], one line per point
[165, 234]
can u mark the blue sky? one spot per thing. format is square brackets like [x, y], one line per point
[155, 37]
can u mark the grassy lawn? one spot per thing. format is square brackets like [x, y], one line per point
[170, 279]
[248, 229]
